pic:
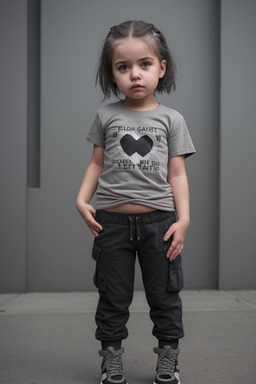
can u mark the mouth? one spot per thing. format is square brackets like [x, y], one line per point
[137, 86]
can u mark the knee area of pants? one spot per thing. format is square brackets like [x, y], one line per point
[163, 300]
[122, 300]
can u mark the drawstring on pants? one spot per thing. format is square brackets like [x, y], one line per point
[137, 228]
[131, 231]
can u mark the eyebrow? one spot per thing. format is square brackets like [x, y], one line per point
[147, 58]
[142, 59]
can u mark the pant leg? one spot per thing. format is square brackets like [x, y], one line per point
[114, 277]
[162, 279]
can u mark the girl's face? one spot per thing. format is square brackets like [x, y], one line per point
[136, 70]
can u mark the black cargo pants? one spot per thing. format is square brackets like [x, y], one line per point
[123, 237]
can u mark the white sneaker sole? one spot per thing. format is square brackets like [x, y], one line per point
[126, 382]
[157, 383]
[175, 377]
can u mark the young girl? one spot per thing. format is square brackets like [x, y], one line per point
[142, 200]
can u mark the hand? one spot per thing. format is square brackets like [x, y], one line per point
[178, 231]
[88, 213]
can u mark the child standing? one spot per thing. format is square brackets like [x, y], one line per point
[142, 200]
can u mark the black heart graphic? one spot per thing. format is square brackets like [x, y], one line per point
[142, 146]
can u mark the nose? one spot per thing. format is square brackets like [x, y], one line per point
[135, 74]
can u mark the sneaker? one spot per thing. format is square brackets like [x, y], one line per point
[112, 367]
[167, 371]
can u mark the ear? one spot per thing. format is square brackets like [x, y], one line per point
[162, 68]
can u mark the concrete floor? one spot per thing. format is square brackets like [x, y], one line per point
[48, 338]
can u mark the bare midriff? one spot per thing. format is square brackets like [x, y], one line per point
[131, 208]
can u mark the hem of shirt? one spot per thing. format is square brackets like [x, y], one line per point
[92, 141]
[115, 205]
[186, 153]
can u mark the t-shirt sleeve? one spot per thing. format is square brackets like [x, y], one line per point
[179, 140]
[96, 133]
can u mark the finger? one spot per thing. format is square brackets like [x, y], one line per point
[175, 254]
[94, 231]
[91, 222]
[170, 253]
[170, 232]
[98, 227]
[174, 251]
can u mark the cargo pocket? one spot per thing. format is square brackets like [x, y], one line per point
[175, 281]
[98, 278]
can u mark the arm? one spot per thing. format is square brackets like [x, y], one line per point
[88, 188]
[177, 178]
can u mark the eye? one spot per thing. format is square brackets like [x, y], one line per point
[145, 64]
[123, 68]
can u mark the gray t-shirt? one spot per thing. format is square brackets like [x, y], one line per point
[137, 146]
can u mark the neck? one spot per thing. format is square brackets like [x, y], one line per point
[140, 105]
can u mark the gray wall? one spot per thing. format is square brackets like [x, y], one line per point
[13, 145]
[45, 246]
[237, 268]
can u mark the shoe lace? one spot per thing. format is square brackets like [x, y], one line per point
[112, 361]
[167, 361]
